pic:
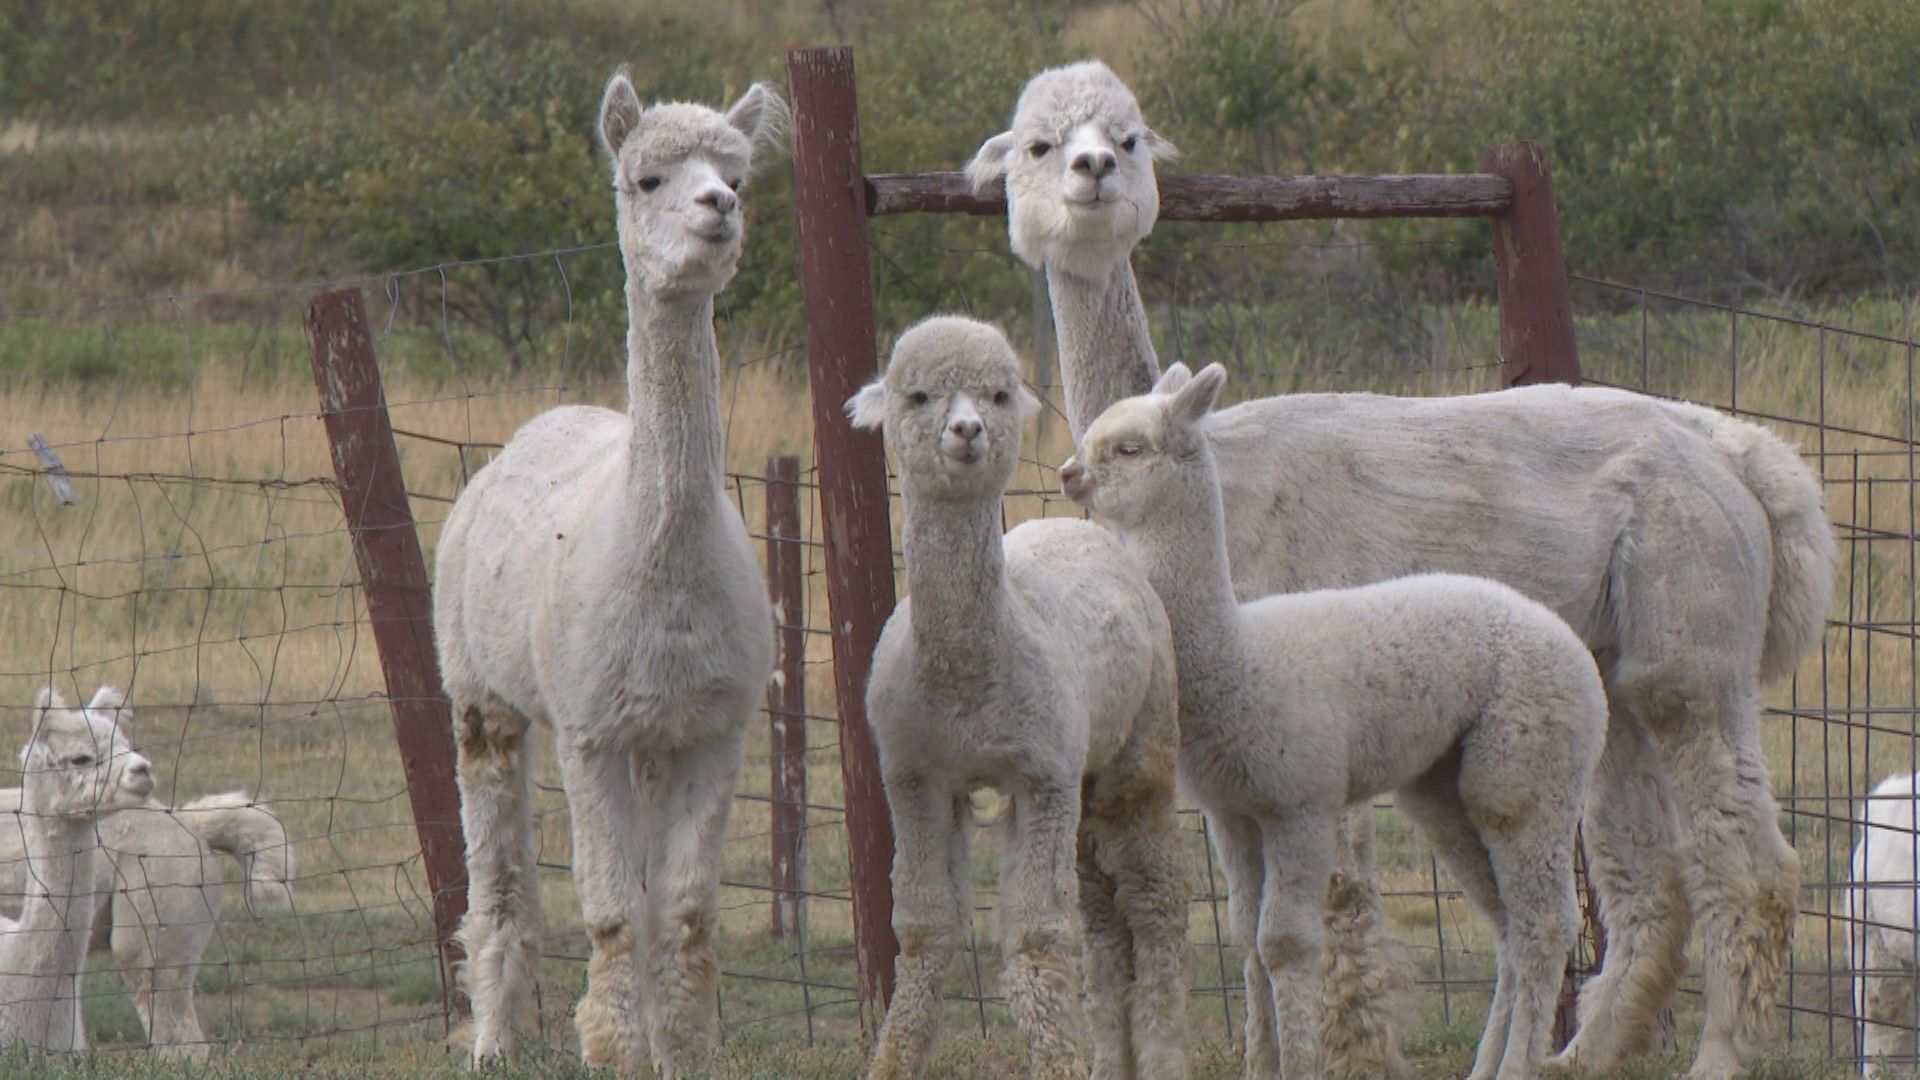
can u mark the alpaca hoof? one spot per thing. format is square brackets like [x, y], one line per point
[1714, 1065]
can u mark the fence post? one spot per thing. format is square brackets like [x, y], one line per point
[787, 694]
[830, 201]
[1536, 313]
[394, 578]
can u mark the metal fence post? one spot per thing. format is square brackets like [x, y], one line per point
[1536, 313]
[787, 694]
[394, 578]
[830, 201]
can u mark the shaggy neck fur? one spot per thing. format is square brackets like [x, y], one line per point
[673, 397]
[959, 584]
[1106, 353]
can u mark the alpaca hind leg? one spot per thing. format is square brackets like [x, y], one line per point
[605, 809]
[1109, 967]
[1299, 863]
[1036, 896]
[1363, 977]
[1237, 842]
[1143, 856]
[929, 912]
[500, 931]
[691, 792]
[1633, 864]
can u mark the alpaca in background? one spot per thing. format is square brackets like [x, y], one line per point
[1881, 912]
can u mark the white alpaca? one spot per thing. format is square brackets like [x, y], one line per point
[72, 773]
[595, 577]
[1690, 551]
[157, 881]
[1042, 666]
[1881, 906]
[1479, 708]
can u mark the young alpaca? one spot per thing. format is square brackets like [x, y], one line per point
[71, 774]
[1479, 708]
[1881, 907]
[596, 578]
[1040, 664]
[157, 885]
[1640, 522]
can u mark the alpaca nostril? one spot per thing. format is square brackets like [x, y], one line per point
[966, 429]
[719, 199]
[1094, 163]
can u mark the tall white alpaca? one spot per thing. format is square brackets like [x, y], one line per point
[1689, 550]
[71, 774]
[1479, 708]
[1041, 665]
[595, 577]
[1882, 910]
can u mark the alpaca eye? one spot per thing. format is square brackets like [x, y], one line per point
[734, 184]
[1127, 144]
[1001, 397]
[1040, 149]
[1127, 449]
[81, 761]
[918, 397]
[648, 183]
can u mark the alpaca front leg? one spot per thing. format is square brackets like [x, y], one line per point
[690, 797]
[1299, 863]
[1363, 973]
[1885, 1001]
[1036, 892]
[1143, 855]
[500, 932]
[929, 910]
[1109, 967]
[606, 872]
[1236, 840]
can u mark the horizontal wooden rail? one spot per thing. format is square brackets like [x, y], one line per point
[1233, 198]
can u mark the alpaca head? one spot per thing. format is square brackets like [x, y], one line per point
[78, 763]
[1146, 456]
[677, 172]
[1078, 162]
[951, 404]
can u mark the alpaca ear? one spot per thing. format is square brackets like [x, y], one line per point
[1172, 379]
[619, 114]
[49, 698]
[1158, 147]
[760, 115]
[990, 163]
[107, 697]
[868, 408]
[1196, 398]
[1029, 405]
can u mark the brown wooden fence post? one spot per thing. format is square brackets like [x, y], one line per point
[1536, 313]
[830, 200]
[394, 578]
[787, 694]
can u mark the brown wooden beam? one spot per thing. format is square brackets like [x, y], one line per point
[1231, 198]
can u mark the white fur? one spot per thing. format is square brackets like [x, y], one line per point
[596, 578]
[1881, 909]
[1641, 523]
[73, 772]
[1042, 666]
[1478, 707]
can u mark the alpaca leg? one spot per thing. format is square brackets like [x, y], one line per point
[1299, 862]
[1237, 842]
[1109, 972]
[1535, 871]
[1036, 896]
[1143, 857]
[1885, 1002]
[691, 791]
[605, 810]
[1363, 974]
[501, 930]
[1633, 861]
[159, 964]
[928, 914]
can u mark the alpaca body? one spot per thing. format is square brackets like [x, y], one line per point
[1881, 906]
[1642, 523]
[1039, 664]
[1479, 708]
[595, 578]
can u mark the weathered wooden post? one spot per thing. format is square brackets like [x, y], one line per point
[1536, 312]
[830, 201]
[399, 598]
[787, 694]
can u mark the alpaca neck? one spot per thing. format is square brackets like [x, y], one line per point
[956, 574]
[57, 919]
[1106, 353]
[1185, 556]
[673, 398]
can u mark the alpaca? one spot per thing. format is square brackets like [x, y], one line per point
[596, 578]
[1480, 709]
[1640, 522]
[157, 884]
[1039, 663]
[72, 774]
[1881, 909]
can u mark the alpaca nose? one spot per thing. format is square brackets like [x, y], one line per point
[720, 199]
[1096, 162]
[966, 427]
[1073, 477]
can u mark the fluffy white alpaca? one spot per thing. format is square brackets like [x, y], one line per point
[1039, 663]
[72, 774]
[1881, 906]
[1479, 708]
[1641, 523]
[157, 882]
[596, 578]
